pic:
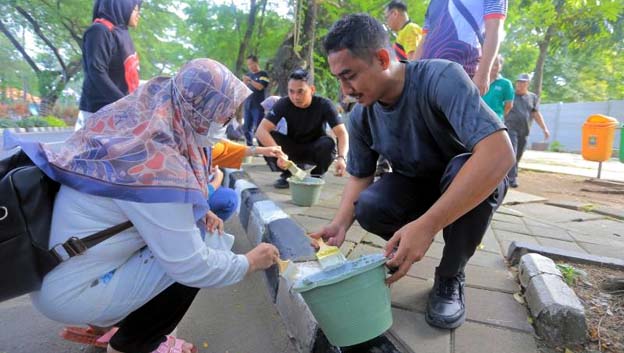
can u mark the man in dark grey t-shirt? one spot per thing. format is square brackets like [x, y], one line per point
[449, 152]
[525, 109]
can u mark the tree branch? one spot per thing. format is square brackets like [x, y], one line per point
[19, 47]
[38, 31]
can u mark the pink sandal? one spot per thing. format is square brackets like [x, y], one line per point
[173, 345]
[87, 335]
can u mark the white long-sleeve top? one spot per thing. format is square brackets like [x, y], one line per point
[122, 273]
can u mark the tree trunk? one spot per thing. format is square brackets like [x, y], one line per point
[541, 60]
[251, 20]
[256, 42]
[288, 57]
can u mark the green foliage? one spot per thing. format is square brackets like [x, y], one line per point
[53, 121]
[32, 122]
[556, 146]
[7, 123]
[570, 273]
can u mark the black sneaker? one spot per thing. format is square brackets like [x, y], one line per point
[281, 183]
[446, 307]
[513, 183]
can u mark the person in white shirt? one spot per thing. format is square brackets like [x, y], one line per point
[143, 159]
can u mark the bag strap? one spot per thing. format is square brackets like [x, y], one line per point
[471, 21]
[75, 246]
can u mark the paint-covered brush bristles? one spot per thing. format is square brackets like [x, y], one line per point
[287, 269]
[329, 256]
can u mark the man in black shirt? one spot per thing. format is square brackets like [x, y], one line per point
[305, 140]
[257, 80]
[449, 153]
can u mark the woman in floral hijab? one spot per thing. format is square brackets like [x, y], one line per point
[143, 159]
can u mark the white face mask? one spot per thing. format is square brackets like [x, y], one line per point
[216, 133]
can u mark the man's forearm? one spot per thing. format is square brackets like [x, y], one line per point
[485, 169]
[419, 49]
[343, 140]
[265, 137]
[540, 120]
[351, 192]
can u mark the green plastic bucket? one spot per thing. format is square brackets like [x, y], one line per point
[305, 192]
[622, 144]
[351, 303]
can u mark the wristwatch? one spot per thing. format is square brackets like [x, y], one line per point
[341, 157]
[252, 149]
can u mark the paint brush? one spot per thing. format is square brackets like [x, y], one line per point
[329, 256]
[295, 171]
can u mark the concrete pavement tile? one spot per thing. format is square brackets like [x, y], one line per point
[601, 227]
[321, 212]
[509, 211]
[477, 338]
[356, 233]
[374, 240]
[505, 238]
[363, 249]
[424, 269]
[501, 217]
[514, 197]
[497, 280]
[411, 293]
[476, 276]
[292, 209]
[616, 252]
[597, 239]
[489, 260]
[435, 250]
[489, 243]
[610, 211]
[411, 330]
[571, 205]
[511, 227]
[496, 308]
[347, 247]
[561, 244]
[310, 224]
[546, 231]
[555, 214]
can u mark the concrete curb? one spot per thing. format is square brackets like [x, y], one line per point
[20, 130]
[518, 249]
[264, 221]
[558, 314]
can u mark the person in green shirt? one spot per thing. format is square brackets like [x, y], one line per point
[500, 96]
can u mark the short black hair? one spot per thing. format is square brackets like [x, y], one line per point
[361, 34]
[300, 74]
[396, 4]
[252, 58]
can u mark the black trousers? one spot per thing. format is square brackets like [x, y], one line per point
[145, 328]
[395, 200]
[518, 141]
[320, 153]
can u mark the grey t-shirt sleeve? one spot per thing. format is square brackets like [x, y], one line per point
[458, 98]
[536, 103]
[361, 160]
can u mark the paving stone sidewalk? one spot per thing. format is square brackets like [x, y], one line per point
[496, 322]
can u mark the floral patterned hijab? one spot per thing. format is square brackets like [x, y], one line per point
[148, 146]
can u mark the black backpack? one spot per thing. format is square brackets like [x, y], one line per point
[26, 201]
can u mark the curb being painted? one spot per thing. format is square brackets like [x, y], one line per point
[264, 221]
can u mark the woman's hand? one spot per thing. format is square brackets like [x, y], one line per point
[213, 222]
[262, 257]
[270, 151]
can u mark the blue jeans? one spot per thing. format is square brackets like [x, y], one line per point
[253, 115]
[223, 202]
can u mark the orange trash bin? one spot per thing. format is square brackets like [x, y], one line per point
[598, 135]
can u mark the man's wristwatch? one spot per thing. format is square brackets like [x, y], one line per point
[252, 149]
[341, 157]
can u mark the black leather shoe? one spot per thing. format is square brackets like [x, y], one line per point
[446, 307]
[281, 183]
